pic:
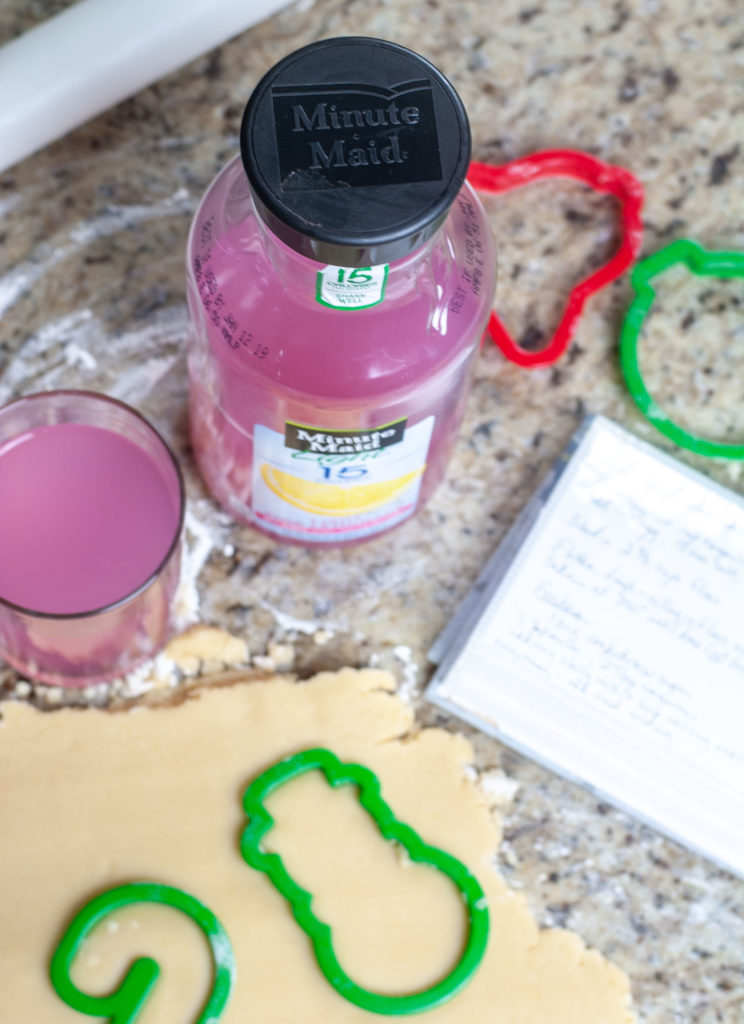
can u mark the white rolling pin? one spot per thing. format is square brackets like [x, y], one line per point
[95, 53]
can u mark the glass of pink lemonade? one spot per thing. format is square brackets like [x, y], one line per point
[91, 513]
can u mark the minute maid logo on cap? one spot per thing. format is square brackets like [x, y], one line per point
[355, 134]
[355, 150]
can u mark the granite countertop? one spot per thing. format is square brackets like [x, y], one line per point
[92, 240]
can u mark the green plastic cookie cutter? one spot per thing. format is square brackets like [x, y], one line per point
[338, 773]
[705, 264]
[125, 1004]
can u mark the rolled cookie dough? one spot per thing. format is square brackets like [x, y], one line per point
[92, 799]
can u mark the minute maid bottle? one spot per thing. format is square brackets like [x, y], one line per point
[341, 273]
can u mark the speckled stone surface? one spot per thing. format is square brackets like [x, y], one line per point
[92, 237]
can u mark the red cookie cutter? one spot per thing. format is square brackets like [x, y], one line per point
[566, 163]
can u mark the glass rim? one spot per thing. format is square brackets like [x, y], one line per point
[157, 571]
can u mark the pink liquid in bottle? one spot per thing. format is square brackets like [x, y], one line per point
[87, 518]
[328, 377]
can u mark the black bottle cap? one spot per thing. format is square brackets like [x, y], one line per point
[355, 149]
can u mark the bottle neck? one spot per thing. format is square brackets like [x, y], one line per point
[294, 267]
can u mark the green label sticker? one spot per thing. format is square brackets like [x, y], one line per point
[700, 261]
[351, 287]
[124, 1005]
[338, 773]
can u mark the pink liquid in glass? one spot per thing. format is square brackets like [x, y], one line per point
[265, 353]
[90, 521]
[87, 518]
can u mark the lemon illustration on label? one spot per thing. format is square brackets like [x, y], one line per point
[334, 499]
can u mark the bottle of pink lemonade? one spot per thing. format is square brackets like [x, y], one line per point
[341, 272]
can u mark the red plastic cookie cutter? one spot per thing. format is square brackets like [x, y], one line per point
[566, 163]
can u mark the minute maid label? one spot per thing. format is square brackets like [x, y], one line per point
[322, 485]
[355, 134]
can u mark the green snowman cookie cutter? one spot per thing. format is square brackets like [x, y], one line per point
[124, 1005]
[338, 773]
[704, 263]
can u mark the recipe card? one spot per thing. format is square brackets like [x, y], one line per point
[606, 638]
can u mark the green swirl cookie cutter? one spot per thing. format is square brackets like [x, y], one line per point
[704, 263]
[124, 1005]
[338, 773]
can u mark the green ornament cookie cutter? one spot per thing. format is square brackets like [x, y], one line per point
[339, 773]
[124, 1005]
[704, 263]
